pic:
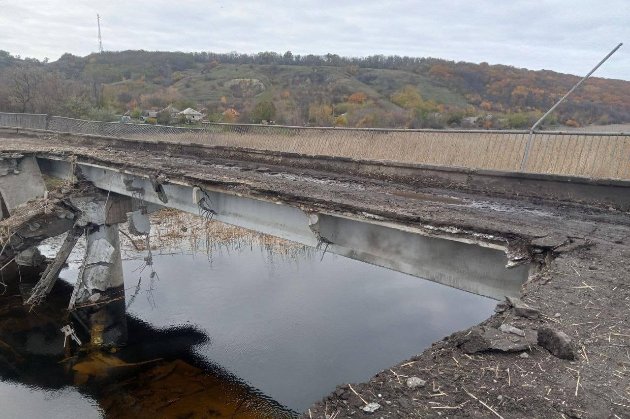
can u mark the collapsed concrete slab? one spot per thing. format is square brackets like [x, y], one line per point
[20, 181]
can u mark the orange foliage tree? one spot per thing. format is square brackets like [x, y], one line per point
[358, 97]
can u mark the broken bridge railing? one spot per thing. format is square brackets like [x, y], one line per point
[599, 155]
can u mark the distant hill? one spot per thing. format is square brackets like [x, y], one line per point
[319, 90]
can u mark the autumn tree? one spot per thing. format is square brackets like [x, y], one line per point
[161, 98]
[320, 114]
[358, 98]
[408, 97]
[230, 115]
[422, 113]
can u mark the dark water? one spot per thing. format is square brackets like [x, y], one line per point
[278, 330]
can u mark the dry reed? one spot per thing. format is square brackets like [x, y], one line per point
[579, 154]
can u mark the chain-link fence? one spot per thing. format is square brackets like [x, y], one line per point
[596, 155]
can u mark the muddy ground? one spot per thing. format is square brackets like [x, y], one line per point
[582, 291]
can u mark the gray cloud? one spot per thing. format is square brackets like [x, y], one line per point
[559, 35]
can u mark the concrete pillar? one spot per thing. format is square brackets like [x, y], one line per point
[99, 297]
[20, 181]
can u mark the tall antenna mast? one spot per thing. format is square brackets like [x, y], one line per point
[100, 40]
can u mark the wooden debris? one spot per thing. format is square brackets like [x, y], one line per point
[50, 275]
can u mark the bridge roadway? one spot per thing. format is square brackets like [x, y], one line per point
[451, 237]
[583, 250]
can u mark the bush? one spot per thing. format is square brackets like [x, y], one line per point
[151, 121]
[264, 111]
[164, 117]
[102, 114]
[341, 121]
[518, 120]
[343, 107]
[454, 118]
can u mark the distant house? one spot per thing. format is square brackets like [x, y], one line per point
[470, 122]
[172, 110]
[191, 115]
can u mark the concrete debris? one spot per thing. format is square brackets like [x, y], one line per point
[91, 210]
[50, 275]
[30, 257]
[484, 339]
[371, 407]
[524, 355]
[557, 342]
[415, 382]
[507, 328]
[501, 307]
[101, 252]
[139, 223]
[550, 241]
[560, 243]
[523, 310]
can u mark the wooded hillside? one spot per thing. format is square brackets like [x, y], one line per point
[376, 91]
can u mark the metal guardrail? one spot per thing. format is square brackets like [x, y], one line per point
[595, 155]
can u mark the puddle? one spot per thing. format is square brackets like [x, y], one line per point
[232, 324]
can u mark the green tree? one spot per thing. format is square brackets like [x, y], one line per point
[164, 117]
[264, 111]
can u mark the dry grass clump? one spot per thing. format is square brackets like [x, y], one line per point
[174, 231]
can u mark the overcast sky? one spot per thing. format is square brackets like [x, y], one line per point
[569, 36]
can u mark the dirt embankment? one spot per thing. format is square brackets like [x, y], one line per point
[578, 306]
[584, 294]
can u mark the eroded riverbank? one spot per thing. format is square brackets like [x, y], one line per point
[584, 293]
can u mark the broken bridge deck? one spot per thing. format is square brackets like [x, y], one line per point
[583, 289]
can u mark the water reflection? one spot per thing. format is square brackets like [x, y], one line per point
[290, 322]
[157, 374]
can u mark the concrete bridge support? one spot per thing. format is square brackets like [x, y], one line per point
[98, 299]
[99, 296]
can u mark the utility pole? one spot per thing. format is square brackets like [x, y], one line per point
[100, 40]
[530, 138]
